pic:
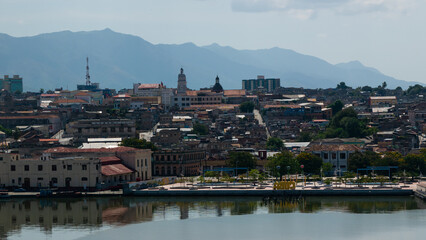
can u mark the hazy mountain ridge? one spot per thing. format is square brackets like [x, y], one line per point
[117, 60]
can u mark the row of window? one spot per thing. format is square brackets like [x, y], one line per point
[334, 156]
[185, 157]
[199, 99]
[139, 162]
[104, 129]
[54, 167]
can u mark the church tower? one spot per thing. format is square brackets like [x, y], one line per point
[181, 90]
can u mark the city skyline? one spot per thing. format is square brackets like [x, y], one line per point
[380, 34]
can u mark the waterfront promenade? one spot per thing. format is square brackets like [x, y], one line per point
[264, 190]
[182, 189]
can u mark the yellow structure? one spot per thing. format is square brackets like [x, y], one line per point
[287, 185]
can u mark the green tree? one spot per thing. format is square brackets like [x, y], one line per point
[41, 90]
[327, 167]
[6, 130]
[362, 160]
[305, 136]
[254, 174]
[241, 159]
[274, 144]
[342, 85]
[247, 107]
[138, 143]
[312, 163]
[346, 124]
[277, 164]
[414, 163]
[389, 159]
[367, 89]
[200, 129]
[336, 107]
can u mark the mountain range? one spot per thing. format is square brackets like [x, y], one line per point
[117, 60]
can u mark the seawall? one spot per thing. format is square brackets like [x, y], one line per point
[273, 193]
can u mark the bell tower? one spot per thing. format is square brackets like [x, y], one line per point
[181, 89]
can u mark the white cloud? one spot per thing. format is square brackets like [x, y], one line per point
[304, 9]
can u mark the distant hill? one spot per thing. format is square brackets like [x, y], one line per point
[118, 60]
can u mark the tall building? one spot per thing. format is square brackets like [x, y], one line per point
[181, 90]
[12, 85]
[261, 84]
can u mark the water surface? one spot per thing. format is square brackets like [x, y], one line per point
[207, 218]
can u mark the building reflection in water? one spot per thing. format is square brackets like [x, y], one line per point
[93, 213]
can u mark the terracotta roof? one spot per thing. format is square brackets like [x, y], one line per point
[115, 169]
[48, 140]
[148, 86]
[50, 95]
[333, 147]
[196, 92]
[213, 106]
[110, 160]
[89, 150]
[61, 101]
[320, 120]
[237, 92]
[82, 94]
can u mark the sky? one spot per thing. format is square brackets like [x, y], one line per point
[389, 35]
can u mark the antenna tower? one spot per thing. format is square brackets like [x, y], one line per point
[87, 72]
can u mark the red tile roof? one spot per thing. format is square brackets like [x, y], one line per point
[238, 92]
[50, 95]
[115, 169]
[149, 86]
[110, 160]
[60, 101]
[333, 147]
[82, 94]
[48, 140]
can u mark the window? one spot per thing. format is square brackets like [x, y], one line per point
[84, 179]
[84, 167]
[146, 162]
[112, 129]
[342, 156]
[53, 167]
[1, 158]
[27, 168]
[333, 155]
[104, 129]
[69, 167]
[325, 155]
[40, 179]
[129, 129]
[40, 167]
[79, 130]
[12, 168]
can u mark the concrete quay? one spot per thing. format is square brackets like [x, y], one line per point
[267, 191]
[273, 193]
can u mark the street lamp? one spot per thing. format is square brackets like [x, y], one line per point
[302, 167]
